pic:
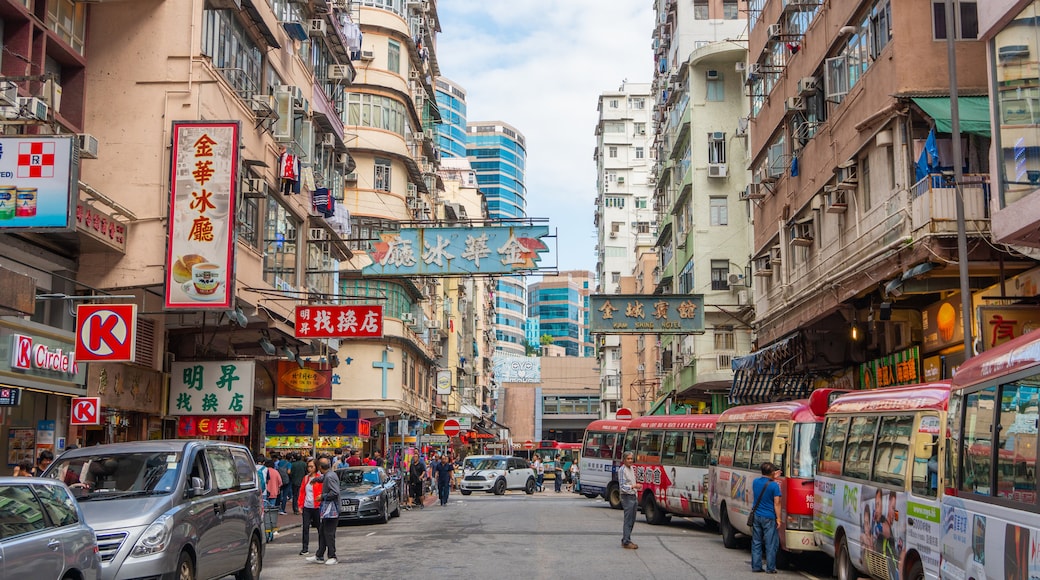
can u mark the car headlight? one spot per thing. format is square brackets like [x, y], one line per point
[155, 538]
[370, 499]
[491, 476]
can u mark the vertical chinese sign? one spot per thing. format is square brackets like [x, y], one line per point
[200, 255]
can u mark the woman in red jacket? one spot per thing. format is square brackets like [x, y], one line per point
[309, 498]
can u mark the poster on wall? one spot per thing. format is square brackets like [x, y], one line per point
[200, 251]
[21, 446]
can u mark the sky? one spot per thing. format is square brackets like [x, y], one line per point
[540, 65]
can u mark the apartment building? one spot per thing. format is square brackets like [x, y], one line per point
[560, 305]
[855, 273]
[704, 229]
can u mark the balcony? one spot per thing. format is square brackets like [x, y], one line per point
[933, 207]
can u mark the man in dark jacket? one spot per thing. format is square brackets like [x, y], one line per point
[329, 513]
[297, 470]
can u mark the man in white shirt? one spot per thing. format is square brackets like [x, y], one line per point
[627, 485]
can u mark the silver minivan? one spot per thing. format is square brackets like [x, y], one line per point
[181, 509]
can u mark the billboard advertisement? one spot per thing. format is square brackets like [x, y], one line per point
[200, 255]
[510, 368]
[38, 177]
[336, 321]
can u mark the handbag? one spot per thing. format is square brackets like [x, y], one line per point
[751, 514]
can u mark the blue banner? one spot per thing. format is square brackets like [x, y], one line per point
[447, 251]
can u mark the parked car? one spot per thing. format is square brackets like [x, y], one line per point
[471, 462]
[43, 533]
[182, 509]
[367, 493]
[499, 473]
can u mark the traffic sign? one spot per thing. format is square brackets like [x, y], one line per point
[528, 444]
[623, 414]
[85, 411]
[451, 427]
[106, 332]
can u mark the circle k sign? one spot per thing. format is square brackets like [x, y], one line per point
[85, 411]
[106, 332]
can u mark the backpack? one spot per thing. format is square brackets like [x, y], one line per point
[284, 472]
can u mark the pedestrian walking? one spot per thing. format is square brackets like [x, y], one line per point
[353, 460]
[297, 471]
[285, 491]
[558, 474]
[445, 471]
[416, 475]
[309, 500]
[627, 485]
[765, 532]
[572, 483]
[539, 470]
[328, 514]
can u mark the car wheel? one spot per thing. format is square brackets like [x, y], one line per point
[653, 512]
[614, 497]
[529, 488]
[844, 569]
[729, 535]
[385, 516]
[465, 492]
[185, 567]
[254, 562]
[397, 510]
[500, 486]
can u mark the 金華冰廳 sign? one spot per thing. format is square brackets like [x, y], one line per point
[454, 251]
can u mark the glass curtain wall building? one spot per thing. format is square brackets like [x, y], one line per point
[560, 304]
[451, 133]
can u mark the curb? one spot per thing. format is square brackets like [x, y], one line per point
[429, 500]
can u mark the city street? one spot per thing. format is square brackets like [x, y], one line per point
[546, 535]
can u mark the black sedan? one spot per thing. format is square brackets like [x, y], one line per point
[367, 493]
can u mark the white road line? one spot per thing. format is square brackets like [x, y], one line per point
[370, 534]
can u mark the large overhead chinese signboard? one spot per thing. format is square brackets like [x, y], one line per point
[212, 388]
[199, 261]
[335, 321]
[457, 251]
[646, 314]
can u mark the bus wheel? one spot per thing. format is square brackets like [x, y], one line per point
[653, 512]
[916, 571]
[614, 497]
[844, 569]
[729, 535]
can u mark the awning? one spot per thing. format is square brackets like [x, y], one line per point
[752, 387]
[973, 113]
[914, 272]
[470, 410]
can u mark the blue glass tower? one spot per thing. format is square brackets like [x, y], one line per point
[451, 133]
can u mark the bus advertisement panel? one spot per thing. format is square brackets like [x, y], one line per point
[671, 463]
[784, 433]
[877, 483]
[990, 522]
[600, 458]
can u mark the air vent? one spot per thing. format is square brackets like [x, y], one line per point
[146, 347]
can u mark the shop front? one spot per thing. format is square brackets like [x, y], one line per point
[131, 405]
[300, 431]
[38, 377]
[213, 399]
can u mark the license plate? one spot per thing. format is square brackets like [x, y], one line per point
[349, 508]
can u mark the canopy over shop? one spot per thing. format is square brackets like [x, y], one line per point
[293, 430]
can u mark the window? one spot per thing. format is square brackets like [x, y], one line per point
[640, 153]
[68, 19]
[686, 278]
[615, 227]
[247, 226]
[245, 468]
[614, 103]
[640, 203]
[1016, 446]
[763, 449]
[745, 440]
[613, 126]
[640, 128]
[637, 103]
[382, 174]
[716, 147]
[20, 513]
[718, 208]
[833, 446]
[805, 447]
[700, 9]
[715, 90]
[859, 454]
[643, 227]
[58, 504]
[724, 337]
[725, 449]
[223, 468]
[675, 447]
[615, 277]
[729, 10]
[925, 480]
[377, 111]
[836, 78]
[699, 449]
[880, 27]
[892, 452]
[612, 151]
[616, 202]
[280, 231]
[393, 56]
[966, 19]
[649, 447]
[231, 50]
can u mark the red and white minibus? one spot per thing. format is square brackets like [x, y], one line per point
[671, 462]
[600, 458]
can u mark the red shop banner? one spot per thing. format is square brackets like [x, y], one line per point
[309, 382]
[354, 321]
[203, 426]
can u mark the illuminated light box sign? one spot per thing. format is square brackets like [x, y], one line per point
[334, 321]
[646, 314]
[212, 388]
[38, 176]
[457, 251]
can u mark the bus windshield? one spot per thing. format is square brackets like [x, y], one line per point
[805, 449]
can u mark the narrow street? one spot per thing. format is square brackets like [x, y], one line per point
[547, 535]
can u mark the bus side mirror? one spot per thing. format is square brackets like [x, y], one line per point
[779, 445]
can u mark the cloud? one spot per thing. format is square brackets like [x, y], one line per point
[540, 66]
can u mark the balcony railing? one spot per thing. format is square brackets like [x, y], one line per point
[933, 204]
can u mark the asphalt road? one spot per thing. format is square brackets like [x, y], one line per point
[545, 536]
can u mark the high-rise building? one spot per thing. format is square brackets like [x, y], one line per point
[452, 134]
[560, 304]
[498, 154]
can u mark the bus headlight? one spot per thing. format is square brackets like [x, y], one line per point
[801, 523]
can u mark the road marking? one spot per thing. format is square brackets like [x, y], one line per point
[808, 575]
[370, 534]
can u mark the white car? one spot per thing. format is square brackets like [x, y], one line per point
[498, 473]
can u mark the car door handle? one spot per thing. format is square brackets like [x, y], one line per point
[54, 545]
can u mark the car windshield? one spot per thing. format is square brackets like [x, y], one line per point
[358, 477]
[472, 462]
[121, 475]
[492, 464]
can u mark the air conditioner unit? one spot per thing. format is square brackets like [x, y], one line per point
[802, 234]
[754, 191]
[763, 267]
[716, 170]
[350, 177]
[318, 234]
[742, 298]
[808, 85]
[51, 94]
[297, 96]
[413, 203]
[290, 235]
[253, 187]
[407, 318]
[328, 139]
[415, 75]
[433, 324]
[774, 31]
[263, 106]
[837, 201]
[754, 68]
[621, 180]
[740, 66]
[413, 190]
[735, 279]
[368, 55]
[317, 27]
[847, 177]
[33, 107]
[712, 75]
[338, 72]
[794, 104]
[8, 94]
[613, 235]
[88, 146]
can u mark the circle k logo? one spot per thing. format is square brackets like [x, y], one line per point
[27, 355]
